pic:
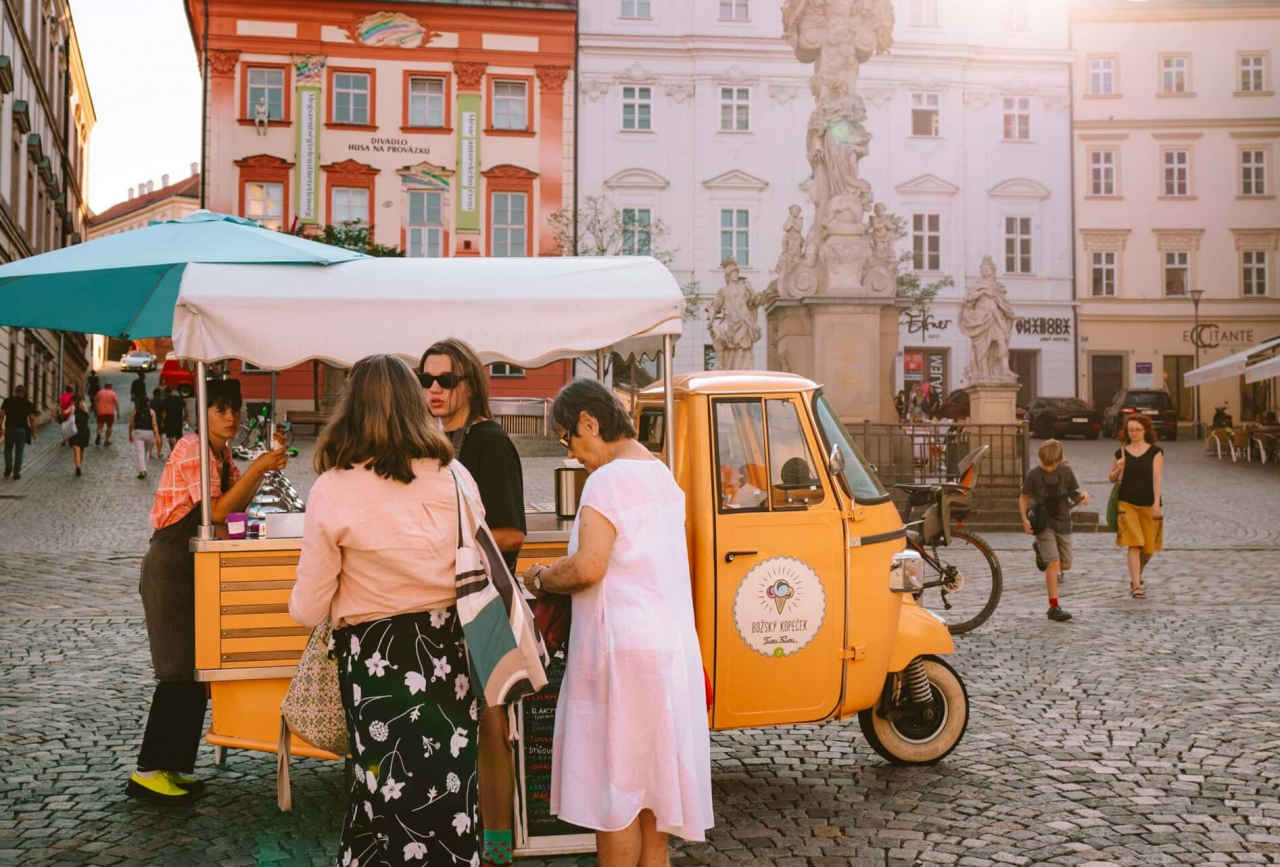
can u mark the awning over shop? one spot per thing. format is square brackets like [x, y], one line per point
[1232, 365]
[1262, 370]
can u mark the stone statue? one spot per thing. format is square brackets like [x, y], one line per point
[261, 116]
[986, 318]
[733, 321]
[882, 239]
[792, 240]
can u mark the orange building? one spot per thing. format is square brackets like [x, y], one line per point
[445, 128]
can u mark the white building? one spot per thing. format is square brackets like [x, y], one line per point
[696, 114]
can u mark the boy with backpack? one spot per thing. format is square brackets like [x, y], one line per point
[1048, 492]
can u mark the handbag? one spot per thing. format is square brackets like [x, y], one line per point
[1113, 505]
[312, 708]
[69, 425]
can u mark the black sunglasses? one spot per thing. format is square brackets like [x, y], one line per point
[566, 439]
[446, 380]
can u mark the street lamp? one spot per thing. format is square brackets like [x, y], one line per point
[1196, 295]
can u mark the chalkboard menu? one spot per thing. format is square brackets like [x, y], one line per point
[537, 730]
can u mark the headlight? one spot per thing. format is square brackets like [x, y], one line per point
[906, 575]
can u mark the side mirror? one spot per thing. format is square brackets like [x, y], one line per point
[836, 460]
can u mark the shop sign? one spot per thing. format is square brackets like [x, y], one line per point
[469, 161]
[1050, 329]
[382, 145]
[308, 167]
[1210, 335]
[922, 322]
[1143, 375]
[779, 606]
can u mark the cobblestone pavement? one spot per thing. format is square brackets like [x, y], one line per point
[1141, 733]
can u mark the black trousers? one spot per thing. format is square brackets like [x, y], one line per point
[174, 727]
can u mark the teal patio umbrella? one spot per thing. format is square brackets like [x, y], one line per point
[126, 285]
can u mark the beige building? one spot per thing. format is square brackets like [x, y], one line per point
[1175, 138]
[169, 201]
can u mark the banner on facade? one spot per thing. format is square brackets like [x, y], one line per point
[308, 168]
[468, 162]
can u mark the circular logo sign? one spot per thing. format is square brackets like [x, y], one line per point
[779, 606]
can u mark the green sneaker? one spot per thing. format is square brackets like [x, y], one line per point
[158, 787]
[185, 781]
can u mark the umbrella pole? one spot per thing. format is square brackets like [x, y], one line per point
[669, 402]
[202, 425]
[600, 365]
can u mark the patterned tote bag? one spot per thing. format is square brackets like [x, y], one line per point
[312, 708]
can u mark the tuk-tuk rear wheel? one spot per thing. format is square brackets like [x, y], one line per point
[925, 736]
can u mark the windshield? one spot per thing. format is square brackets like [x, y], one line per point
[1070, 403]
[1149, 400]
[857, 478]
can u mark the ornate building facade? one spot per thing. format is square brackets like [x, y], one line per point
[46, 117]
[1175, 142]
[443, 127]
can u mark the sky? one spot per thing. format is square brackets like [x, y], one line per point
[145, 83]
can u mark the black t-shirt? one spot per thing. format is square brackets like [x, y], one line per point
[138, 391]
[174, 410]
[17, 412]
[491, 458]
[1138, 487]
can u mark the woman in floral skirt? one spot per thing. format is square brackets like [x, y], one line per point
[378, 553]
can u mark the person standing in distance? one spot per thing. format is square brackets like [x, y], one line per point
[456, 387]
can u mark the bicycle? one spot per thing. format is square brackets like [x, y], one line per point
[253, 431]
[958, 563]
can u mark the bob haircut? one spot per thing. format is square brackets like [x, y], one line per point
[466, 363]
[381, 423]
[222, 394]
[1051, 452]
[1147, 427]
[591, 397]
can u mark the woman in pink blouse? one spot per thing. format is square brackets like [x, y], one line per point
[377, 559]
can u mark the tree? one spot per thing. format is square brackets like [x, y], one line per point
[351, 235]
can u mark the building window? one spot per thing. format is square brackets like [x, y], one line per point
[735, 109]
[735, 10]
[1016, 15]
[1017, 118]
[636, 231]
[264, 203]
[1104, 274]
[352, 98]
[1177, 273]
[1253, 172]
[637, 108]
[1102, 173]
[735, 236]
[1252, 73]
[349, 205]
[1177, 166]
[924, 114]
[265, 82]
[510, 225]
[1017, 245]
[1254, 273]
[425, 234]
[426, 101]
[503, 370]
[1175, 74]
[635, 8]
[1102, 76]
[924, 13]
[926, 242]
[511, 105]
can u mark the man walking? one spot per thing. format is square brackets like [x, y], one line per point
[106, 406]
[18, 416]
[138, 390]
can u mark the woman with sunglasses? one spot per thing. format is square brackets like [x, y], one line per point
[457, 391]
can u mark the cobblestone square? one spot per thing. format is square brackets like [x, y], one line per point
[1141, 733]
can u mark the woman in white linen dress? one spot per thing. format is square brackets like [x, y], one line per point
[632, 751]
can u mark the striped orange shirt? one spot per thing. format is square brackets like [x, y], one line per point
[179, 490]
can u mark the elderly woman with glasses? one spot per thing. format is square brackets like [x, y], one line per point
[632, 751]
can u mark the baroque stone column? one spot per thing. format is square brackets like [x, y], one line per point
[551, 81]
[220, 177]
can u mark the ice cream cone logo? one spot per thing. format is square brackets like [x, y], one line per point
[780, 592]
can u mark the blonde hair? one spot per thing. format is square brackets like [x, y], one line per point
[1051, 452]
[381, 423]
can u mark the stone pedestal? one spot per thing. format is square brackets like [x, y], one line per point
[995, 403]
[846, 345]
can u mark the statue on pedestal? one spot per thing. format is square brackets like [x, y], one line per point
[261, 116]
[986, 318]
[733, 321]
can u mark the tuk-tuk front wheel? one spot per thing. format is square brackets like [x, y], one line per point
[908, 732]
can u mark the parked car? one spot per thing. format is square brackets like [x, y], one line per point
[179, 376]
[1154, 403]
[137, 359]
[1063, 416]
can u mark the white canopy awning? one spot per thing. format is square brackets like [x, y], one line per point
[528, 312]
[1262, 370]
[1225, 368]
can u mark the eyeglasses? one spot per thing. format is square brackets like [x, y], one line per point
[566, 440]
[446, 380]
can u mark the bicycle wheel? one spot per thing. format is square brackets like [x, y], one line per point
[971, 582]
[246, 434]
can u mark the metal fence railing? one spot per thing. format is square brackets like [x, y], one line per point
[527, 416]
[930, 452]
